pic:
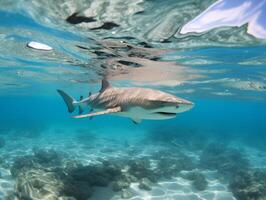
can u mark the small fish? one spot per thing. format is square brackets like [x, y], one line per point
[134, 103]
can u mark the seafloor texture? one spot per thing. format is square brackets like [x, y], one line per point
[216, 151]
[159, 164]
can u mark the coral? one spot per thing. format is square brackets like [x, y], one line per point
[119, 185]
[141, 168]
[37, 181]
[94, 175]
[226, 160]
[145, 184]
[126, 194]
[170, 163]
[21, 164]
[198, 180]
[80, 190]
[35, 173]
[47, 157]
[249, 185]
[38, 184]
[41, 158]
[231, 164]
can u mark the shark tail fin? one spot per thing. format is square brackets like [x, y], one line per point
[70, 101]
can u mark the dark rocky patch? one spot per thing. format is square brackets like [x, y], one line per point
[199, 181]
[21, 164]
[249, 185]
[246, 183]
[2, 142]
[2, 160]
[126, 194]
[80, 190]
[141, 169]
[226, 160]
[119, 185]
[41, 158]
[48, 173]
[170, 167]
[47, 157]
[145, 184]
[94, 175]
[75, 19]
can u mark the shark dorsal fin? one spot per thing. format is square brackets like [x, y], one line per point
[105, 85]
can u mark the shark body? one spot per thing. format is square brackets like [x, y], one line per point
[134, 103]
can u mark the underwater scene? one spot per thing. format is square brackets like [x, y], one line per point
[133, 99]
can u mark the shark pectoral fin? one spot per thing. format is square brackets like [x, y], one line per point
[136, 120]
[107, 111]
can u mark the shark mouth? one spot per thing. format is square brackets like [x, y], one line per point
[166, 113]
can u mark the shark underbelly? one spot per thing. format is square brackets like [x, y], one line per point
[142, 113]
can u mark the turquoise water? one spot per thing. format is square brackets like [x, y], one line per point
[214, 151]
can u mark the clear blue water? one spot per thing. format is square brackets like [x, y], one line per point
[226, 79]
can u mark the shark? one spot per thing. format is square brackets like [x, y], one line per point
[135, 103]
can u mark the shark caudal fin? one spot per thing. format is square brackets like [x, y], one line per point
[70, 101]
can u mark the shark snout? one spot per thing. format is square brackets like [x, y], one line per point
[186, 102]
[184, 105]
[177, 106]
